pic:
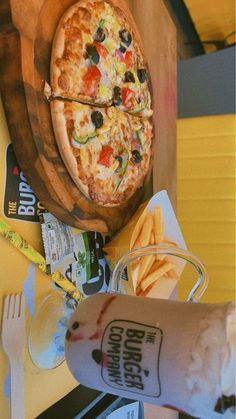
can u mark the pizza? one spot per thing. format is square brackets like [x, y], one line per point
[101, 100]
[97, 58]
[106, 151]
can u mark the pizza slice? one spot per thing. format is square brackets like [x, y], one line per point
[131, 85]
[107, 152]
[80, 64]
[96, 58]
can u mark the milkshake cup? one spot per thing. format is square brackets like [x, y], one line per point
[173, 354]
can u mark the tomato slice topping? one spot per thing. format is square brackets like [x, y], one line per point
[128, 97]
[91, 81]
[128, 59]
[102, 51]
[105, 155]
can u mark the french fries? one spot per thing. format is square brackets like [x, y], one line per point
[158, 225]
[151, 269]
[149, 231]
[152, 241]
[154, 276]
[137, 229]
[144, 229]
[144, 266]
[146, 232]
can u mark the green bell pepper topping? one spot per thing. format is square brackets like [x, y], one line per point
[139, 139]
[82, 140]
[102, 23]
[124, 165]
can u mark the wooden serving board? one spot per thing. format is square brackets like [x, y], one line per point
[26, 34]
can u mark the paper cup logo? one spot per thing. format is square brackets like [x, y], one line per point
[132, 357]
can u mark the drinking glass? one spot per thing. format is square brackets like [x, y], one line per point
[199, 287]
[49, 325]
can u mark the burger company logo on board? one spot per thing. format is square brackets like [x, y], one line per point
[20, 201]
[132, 357]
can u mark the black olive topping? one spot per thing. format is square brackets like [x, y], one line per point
[117, 96]
[92, 53]
[125, 37]
[137, 156]
[99, 35]
[129, 77]
[122, 48]
[75, 325]
[117, 101]
[117, 91]
[97, 119]
[142, 75]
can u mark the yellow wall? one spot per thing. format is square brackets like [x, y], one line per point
[213, 19]
[206, 199]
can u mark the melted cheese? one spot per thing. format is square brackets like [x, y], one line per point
[87, 38]
[84, 157]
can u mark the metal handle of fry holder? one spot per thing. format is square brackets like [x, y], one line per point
[198, 289]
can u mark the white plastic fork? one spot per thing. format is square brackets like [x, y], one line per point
[13, 342]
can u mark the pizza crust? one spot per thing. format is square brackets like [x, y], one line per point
[57, 52]
[59, 126]
[59, 44]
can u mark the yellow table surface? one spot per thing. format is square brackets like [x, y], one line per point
[42, 388]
